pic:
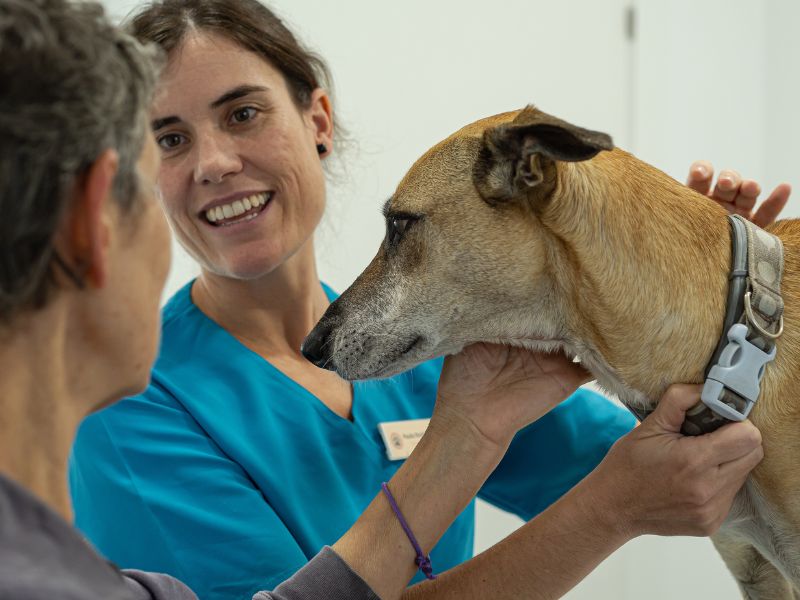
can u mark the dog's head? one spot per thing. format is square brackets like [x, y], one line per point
[465, 257]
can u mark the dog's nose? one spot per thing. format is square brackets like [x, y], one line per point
[316, 348]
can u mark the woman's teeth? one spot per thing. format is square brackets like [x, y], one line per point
[250, 205]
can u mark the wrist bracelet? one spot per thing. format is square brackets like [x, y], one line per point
[422, 561]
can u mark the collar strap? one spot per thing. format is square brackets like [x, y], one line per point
[733, 377]
[753, 321]
[737, 284]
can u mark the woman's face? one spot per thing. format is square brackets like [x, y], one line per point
[241, 178]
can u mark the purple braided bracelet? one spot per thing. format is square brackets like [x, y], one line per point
[422, 561]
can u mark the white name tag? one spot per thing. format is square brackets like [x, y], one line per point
[401, 437]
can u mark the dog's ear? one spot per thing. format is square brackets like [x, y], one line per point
[515, 157]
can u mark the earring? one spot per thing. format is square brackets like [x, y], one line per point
[321, 149]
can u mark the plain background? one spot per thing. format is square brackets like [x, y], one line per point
[670, 81]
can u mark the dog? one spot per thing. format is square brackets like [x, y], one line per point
[525, 229]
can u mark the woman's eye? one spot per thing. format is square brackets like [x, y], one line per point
[242, 115]
[170, 141]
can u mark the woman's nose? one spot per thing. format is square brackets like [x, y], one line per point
[216, 157]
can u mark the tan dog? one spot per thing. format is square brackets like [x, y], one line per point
[518, 229]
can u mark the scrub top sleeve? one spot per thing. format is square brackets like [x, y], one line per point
[547, 458]
[173, 502]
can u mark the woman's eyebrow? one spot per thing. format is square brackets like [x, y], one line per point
[157, 124]
[234, 94]
[237, 92]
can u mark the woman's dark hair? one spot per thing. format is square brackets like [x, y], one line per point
[246, 22]
[73, 85]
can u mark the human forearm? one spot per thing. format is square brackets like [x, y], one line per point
[486, 394]
[652, 481]
[543, 559]
[434, 485]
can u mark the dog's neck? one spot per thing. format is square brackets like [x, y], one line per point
[642, 262]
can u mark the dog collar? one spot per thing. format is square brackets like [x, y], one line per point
[753, 322]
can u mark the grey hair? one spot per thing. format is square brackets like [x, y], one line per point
[73, 86]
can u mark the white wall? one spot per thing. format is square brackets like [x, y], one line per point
[700, 82]
[720, 79]
[716, 79]
[782, 67]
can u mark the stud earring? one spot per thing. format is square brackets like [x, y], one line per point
[321, 149]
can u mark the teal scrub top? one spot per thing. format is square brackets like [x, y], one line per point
[229, 475]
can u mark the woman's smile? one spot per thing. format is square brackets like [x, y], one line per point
[239, 210]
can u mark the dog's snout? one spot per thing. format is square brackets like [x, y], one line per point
[317, 347]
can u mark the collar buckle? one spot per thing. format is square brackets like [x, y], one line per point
[739, 370]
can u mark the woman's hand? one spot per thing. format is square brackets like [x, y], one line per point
[654, 480]
[486, 393]
[657, 481]
[500, 389]
[738, 195]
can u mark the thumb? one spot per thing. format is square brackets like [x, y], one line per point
[771, 208]
[579, 375]
[670, 413]
[568, 372]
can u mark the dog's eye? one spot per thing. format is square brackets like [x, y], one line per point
[397, 226]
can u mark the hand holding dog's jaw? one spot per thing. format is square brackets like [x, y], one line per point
[499, 389]
[656, 481]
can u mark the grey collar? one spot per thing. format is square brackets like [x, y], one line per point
[737, 285]
[753, 321]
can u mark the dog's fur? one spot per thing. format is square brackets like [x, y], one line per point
[522, 231]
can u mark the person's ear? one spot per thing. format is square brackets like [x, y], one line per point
[89, 222]
[320, 113]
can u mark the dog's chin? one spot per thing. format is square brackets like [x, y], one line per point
[418, 350]
[542, 345]
[387, 362]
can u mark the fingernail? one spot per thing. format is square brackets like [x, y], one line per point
[701, 170]
[726, 183]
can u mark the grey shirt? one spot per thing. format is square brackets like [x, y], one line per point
[42, 558]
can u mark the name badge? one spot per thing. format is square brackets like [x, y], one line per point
[401, 437]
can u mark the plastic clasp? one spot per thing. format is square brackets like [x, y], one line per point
[739, 369]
